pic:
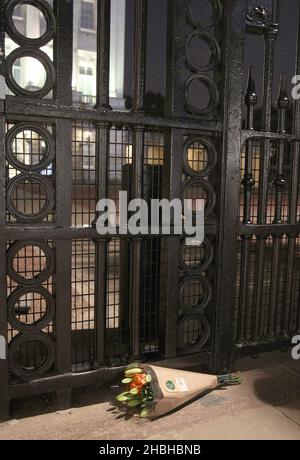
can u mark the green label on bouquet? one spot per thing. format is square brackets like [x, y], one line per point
[170, 385]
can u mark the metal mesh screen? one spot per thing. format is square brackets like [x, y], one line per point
[83, 174]
[274, 315]
[257, 151]
[83, 304]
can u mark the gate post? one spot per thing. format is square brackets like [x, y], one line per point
[172, 172]
[63, 93]
[235, 23]
[4, 393]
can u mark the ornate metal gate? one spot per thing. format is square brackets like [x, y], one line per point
[75, 305]
[268, 277]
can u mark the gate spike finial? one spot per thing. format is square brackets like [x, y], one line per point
[282, 103]
[251, 96]
[250, 99]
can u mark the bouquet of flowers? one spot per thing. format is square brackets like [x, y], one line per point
[153, 391]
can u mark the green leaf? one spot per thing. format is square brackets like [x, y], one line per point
[144, 413]
[122, 398]
[127, 380]
[132, 366]
[148, 378]
[133, 403]
[133, 371]
[134, 391]
[125, 393]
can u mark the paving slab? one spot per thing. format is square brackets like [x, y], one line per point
[261, 423]
[265, 406]
[291, 409]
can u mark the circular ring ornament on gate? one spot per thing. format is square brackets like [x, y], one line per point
[211, 42]
[20, 38]
[193, 333]
[45, 317]
[39, 56]
[45, 136]
[202, 166]
[196, 259]
[194, 293]
[215, 16]
[44, 185]
[200, 185]
[212, 89]
[31, 340]
[45, 253]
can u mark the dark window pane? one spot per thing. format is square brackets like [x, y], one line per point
[87, 16]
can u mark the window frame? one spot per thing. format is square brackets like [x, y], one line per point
[85, 29]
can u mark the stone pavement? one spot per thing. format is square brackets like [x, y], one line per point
[265, 406]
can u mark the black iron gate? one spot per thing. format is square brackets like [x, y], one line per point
[75, 305]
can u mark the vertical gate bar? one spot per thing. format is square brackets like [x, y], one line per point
[248, 180]
[102, 153]
[295, 166]
[172, 172]
[63, 170]
[289, 278]
[244, 283]
[295, 152]
[296, 145]
[63, 251]
[269, 40]
[263, 180]
[138, 133]
[296, 163]
[273, 307]
[259, 286]
[140, 41]
[275, 11]
[63, 51]
[248, 183]
[176, 46]
[4, 384]
[63, 59]
[100, 296]
[2, 122]
[280, 182]
[136, 245]
[2, 49]
[103, 53]
[135, 297]
[234, 15]
[63, 317]
[172, 177]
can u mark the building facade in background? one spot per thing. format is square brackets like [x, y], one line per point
[29, 73]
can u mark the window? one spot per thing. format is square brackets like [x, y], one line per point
[86, 81]
[87, 16]
[18, 12]
[83, 70]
